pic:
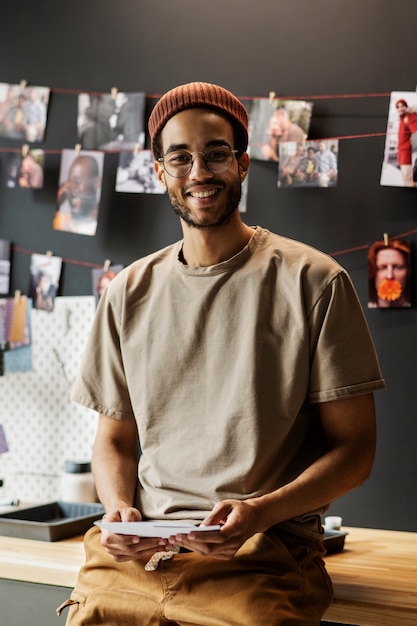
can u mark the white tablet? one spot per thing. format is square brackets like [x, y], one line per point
[162, 529]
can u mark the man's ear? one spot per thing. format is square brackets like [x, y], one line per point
[160, 172]
[243, 164]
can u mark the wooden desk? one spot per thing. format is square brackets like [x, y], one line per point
[374, 578]
[48, 563]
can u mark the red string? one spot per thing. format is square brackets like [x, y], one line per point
[70, 261]
[157, 96]
[366, 245]
[276, 97]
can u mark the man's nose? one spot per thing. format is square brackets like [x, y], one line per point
[199, 168]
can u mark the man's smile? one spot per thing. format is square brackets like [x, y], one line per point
[206, 193]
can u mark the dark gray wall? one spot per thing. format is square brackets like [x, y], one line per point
[293, 47]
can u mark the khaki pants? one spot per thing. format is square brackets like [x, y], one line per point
[275, 579]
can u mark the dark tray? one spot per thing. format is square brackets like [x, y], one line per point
[50, 522]
[334, 540]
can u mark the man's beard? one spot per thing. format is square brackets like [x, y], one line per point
[231, 204]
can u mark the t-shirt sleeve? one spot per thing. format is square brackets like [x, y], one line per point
[343, 357]
[101, 383]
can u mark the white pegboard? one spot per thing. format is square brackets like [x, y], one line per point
[43, 426]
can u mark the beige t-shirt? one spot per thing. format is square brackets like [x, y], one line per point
[221, 367]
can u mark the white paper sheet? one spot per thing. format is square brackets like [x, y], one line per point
[153, 529]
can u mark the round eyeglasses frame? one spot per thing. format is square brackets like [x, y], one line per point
[214, 160]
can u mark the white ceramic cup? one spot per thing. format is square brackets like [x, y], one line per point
[332, 522]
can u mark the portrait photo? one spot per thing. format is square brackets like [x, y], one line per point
[4, 266]
[272, 121]
[389, 274]
[308, 164]
[45, 273]
[136, 173]
[79, 191]
[26, 169]
[101, 277]
[23, 112]
[399, 167]
[113, 121]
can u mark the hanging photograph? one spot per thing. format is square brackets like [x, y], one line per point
[272, 121]
[26, 169]
[309, 164]
[136, 173]
[4, 266]
[15, 335]
[23, 112]
[113, 121]
[389, 274]
[45, 272]
[79, 192]
[101, 277]
[399, 167]
[14, 316]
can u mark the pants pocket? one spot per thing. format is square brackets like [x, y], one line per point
[74, 602]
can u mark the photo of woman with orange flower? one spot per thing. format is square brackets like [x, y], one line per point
[389, 274]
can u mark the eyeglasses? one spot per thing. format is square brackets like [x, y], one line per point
[180, 162]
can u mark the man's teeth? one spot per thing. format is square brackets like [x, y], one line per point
[203, 194]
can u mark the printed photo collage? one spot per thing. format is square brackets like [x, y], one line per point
[278, 133]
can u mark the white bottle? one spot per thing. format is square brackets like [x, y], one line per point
[77, 482]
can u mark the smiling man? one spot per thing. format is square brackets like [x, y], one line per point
[239, 362]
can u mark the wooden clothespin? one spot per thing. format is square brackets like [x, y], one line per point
[106, 265]
[272, 96]
[17, 295]
[77, 148]
[22, 86]
[386, 239]
[49, 254]
[25, 149]
[114, 92]
[136, 149]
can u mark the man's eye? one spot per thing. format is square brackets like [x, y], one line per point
[217, 155]
[179, 159]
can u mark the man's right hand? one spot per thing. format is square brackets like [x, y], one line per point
[129, 547]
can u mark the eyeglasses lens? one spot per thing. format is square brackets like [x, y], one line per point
[180, 162]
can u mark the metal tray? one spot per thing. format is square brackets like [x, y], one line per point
[334, 540]
[50, 522]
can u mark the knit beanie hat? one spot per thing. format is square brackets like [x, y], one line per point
[194, 95]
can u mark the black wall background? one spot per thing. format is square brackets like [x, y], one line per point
[292, 47]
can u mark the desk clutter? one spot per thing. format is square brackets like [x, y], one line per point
[53, 521]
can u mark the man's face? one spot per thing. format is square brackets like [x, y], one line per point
[401, 108]
[390, 265]
[82, 189]
[26, 166]
[202, 199]
[279, 123]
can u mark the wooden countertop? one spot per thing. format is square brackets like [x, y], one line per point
[50, 563]
[374, 578]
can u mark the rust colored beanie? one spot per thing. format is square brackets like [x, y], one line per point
[194, 95]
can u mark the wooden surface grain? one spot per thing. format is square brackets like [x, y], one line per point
[374, 577]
